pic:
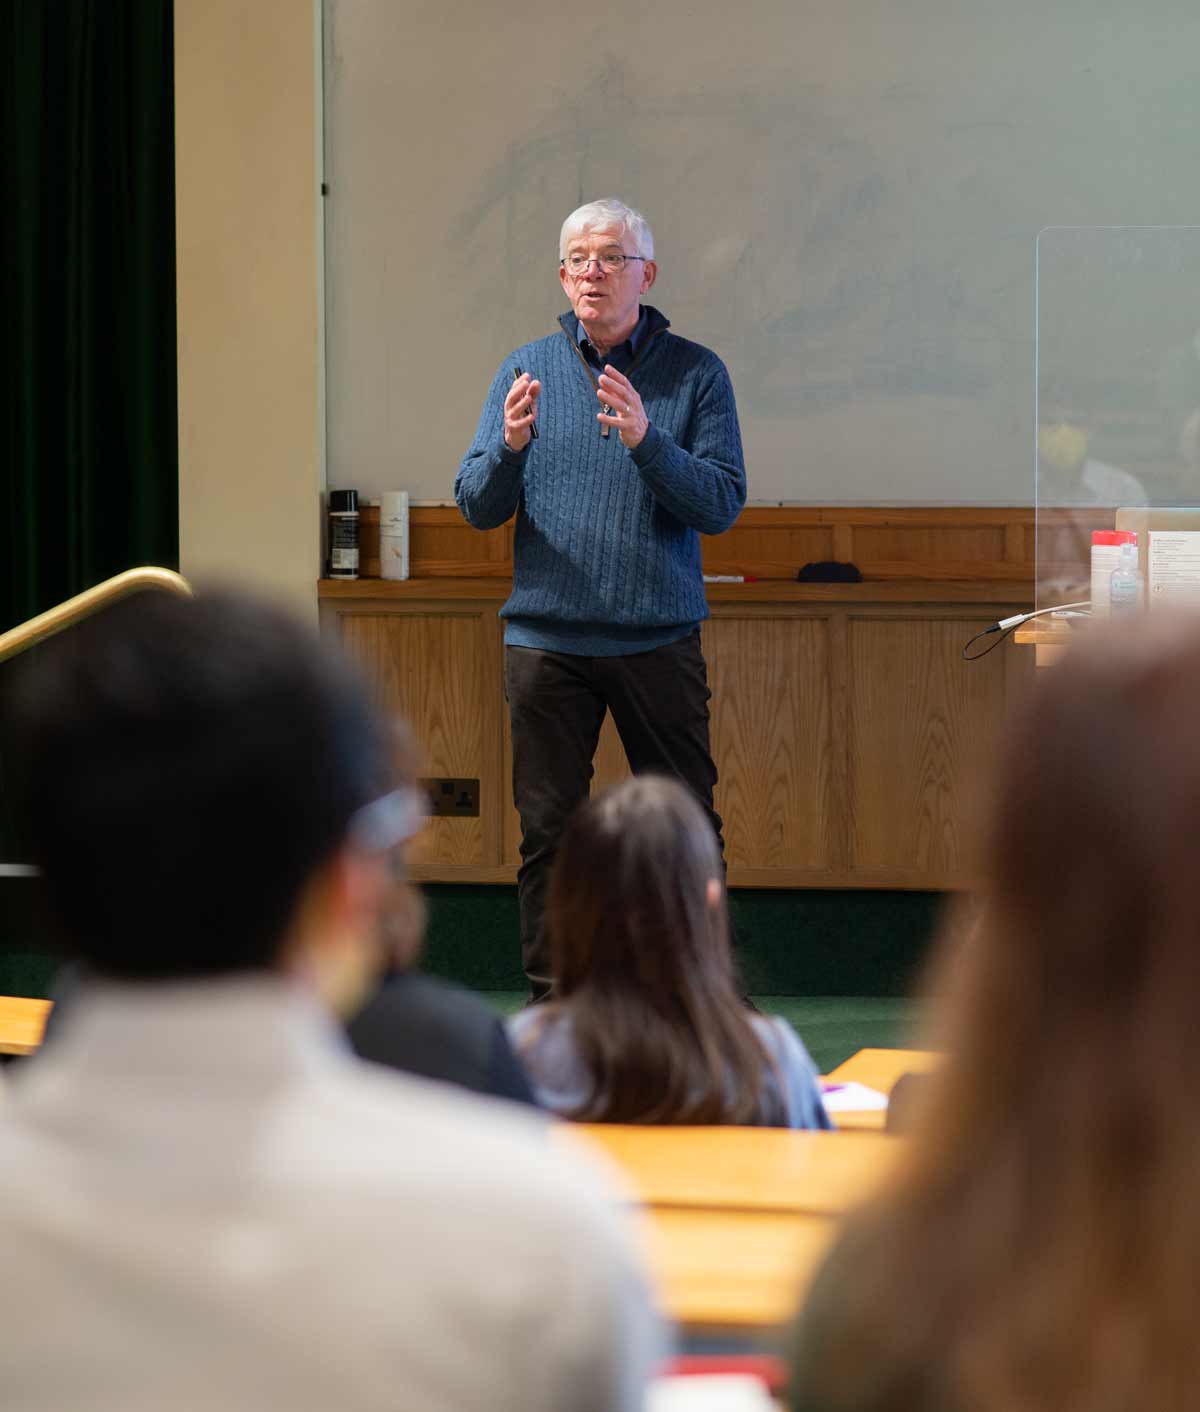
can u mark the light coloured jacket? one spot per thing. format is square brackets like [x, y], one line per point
[207, 1203]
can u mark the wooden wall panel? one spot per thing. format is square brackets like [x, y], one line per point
[611, 766]
[511, 842]
[439, 671]
[767, 550]
[850, 738]
[772, 542]
[440, 545]
[928, 543]
[771, 737]
[921, 733]
[1063, 549]
[849, 735]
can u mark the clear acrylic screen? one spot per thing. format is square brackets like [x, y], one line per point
[1118, 389]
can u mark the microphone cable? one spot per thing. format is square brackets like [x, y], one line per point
[1007, 626]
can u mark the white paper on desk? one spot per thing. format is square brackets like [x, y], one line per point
[853, 1098]
[703, 1392]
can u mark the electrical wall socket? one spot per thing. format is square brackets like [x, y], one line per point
[452, 798]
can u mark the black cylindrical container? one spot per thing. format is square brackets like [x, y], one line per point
[343, 534]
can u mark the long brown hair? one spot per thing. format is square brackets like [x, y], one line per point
[1043, 1249]
[643, 966]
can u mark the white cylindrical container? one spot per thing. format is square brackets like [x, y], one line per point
[393, 534]
[1106, 555]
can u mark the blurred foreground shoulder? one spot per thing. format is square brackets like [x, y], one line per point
[538, 1233]
[841, 1360]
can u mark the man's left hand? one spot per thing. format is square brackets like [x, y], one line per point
[621, 407]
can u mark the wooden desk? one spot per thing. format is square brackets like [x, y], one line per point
[742, 1169]
[878, 1069]
[1048, 643]
[21, 1023]
[735, 1221]
[733, 1272]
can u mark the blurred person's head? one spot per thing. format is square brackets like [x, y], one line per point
[640, 948]
[1085, 947]
[207, 791]
[1041, 1246]
[404, 914]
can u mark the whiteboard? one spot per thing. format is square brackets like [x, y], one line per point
[845, 201]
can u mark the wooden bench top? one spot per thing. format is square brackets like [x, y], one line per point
[735, 1221]
[22, 1022]
[878, 1069]
[741, 1272]
[742, 1169]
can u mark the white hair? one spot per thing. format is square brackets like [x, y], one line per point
[608, 212]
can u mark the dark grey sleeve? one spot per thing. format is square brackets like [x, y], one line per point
[506, 1074]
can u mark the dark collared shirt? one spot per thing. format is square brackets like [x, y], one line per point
[623, 354]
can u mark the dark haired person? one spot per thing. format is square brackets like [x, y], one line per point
[422, 1024]
[647, 1025]
[205, 1200]
[1040, 1253]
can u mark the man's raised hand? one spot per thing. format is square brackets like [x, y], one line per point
[520, 411]
[621, 407]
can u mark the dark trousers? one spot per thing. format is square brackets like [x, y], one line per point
[556, 702]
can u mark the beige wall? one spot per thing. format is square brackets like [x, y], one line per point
[246, 115]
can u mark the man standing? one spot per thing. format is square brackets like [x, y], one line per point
[205, 1200]
[616, 444]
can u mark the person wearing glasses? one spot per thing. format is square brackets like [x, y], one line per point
[202, 1189]
[615, 443]
[419, 1023]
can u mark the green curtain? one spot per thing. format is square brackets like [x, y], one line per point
[90, 446]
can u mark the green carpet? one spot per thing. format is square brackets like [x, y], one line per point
[26, 967]
[27, 973]
[801, 942]
[838, 965]
[836, 1026]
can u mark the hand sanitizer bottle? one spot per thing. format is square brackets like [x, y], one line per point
[1125, 583]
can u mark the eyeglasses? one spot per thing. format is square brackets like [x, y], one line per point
[612, 262]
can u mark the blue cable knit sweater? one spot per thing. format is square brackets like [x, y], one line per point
[606, 552]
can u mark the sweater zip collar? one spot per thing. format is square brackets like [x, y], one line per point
[647, 340]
